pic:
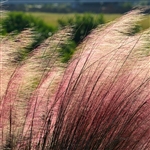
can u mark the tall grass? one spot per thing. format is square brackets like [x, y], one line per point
[101, 101]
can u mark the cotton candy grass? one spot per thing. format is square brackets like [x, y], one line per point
[100, 101]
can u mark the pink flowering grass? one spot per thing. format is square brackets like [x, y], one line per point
[110, 112]
[101, 101]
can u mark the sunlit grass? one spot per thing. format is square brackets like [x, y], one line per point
[51, 18]
[145, 23]
[99, 101]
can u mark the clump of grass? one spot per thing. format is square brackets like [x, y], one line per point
[82, 26]
[18, 21]
[32, 77]
[102, 101]
[106, 116]
[66, 51]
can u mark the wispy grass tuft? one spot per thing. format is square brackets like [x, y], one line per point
[100, 101]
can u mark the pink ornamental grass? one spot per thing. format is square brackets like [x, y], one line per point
[104, 95]
[102, 101]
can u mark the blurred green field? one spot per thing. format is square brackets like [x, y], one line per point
[145, 23]
[51, 18]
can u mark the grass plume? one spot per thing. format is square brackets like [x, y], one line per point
[99, 101]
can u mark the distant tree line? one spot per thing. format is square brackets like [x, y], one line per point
[76, 7]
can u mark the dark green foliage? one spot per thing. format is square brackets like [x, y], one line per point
[82, 25]
[136, 29]
[18, 21]
[67, 51]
